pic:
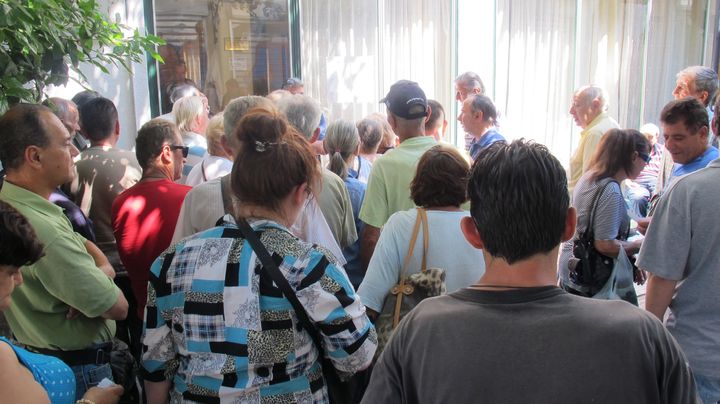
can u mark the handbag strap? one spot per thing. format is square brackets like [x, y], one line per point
[273, 271]
[401, 287]
[226, 197]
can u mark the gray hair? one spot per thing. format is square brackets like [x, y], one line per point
[704, 79]
[60, 107]
[186, 109]
[303, 112]
[592, 92]
[341, 141]
[483, 103]
[236, 109]
[471, 80]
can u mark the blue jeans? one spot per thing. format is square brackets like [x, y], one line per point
[87, 376]
[708, 388]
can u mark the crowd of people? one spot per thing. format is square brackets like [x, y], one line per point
[270, 254]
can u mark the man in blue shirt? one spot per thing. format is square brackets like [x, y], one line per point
[478, 118]
[685, 128]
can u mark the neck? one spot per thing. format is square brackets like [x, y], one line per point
[30, 182]
[538, 270]
[154, 173]
[449, 208]
[102, 143]
[262, 212]
[620, 176]
[409, 133]
[483, 130]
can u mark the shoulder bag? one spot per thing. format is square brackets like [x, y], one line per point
[410, 290]
[589, 269]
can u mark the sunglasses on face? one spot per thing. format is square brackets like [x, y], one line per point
[645, 157]
[185, 149]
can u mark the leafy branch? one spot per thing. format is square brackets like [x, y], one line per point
[42, 40]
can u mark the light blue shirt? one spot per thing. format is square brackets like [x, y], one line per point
[701, 162]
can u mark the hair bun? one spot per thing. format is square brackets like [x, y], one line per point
[261, 128]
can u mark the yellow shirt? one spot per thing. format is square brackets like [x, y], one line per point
[589, 140]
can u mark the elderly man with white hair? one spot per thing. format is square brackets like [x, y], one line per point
[191, 115]
[589, 110]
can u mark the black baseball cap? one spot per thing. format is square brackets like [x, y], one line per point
[403, 96]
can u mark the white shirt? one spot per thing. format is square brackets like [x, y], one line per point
[203, 206]
[209, 168]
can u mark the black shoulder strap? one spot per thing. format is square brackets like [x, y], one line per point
[226, 195]
[272, 269]
[590, 230]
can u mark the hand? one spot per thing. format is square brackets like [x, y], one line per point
[73, 313]
[108, 395]
[642, 224]
[640, 276]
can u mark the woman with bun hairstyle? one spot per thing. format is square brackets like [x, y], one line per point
[342, 143]
[218, 327]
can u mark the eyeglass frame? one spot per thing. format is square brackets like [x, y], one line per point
[645, 157]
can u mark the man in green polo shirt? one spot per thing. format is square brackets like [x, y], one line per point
[388, 188]
[68, 302]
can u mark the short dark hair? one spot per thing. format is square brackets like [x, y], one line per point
[98, 118]
[688, 110]
[615, 152]
[83, 97]
[19, 245]
[440, 178]
[151, 139]
[21, 127]
[484, 104]
[518, 199]
[436, 110]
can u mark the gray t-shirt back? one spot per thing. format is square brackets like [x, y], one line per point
[531, 345]
[683, 244]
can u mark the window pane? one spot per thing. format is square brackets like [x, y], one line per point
[227, 49]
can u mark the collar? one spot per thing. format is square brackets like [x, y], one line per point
[602, 116]
[417, 141]
[22, 196]
[715, 163]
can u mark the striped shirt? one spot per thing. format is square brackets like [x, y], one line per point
[217, 325]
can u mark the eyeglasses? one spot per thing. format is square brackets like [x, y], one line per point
[185, 149]
[645, 157]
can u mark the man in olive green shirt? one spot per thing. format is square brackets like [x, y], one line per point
[388, 188]
[68, 302]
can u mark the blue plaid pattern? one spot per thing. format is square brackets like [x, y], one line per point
[220, 338]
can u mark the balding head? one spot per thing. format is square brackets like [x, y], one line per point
[588, 102]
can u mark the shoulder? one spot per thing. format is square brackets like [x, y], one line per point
[330, 178]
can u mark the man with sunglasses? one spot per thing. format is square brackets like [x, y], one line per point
[145, 215]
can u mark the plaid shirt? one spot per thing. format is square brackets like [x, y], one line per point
[219, 328]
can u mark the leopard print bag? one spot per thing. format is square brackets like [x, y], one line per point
[410, 290]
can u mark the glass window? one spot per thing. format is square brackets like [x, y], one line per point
[225, 48]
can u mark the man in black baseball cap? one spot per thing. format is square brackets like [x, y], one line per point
[388, 189]
[407, 100]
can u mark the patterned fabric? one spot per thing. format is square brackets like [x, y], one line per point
[52, 373]
[218, 327]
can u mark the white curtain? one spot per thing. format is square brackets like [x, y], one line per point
[676, 41]
[352, 51]
[534, 70]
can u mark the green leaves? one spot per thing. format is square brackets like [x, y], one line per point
[41, 40]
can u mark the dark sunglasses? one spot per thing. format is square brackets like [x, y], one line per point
[185, 149]
[645, 157]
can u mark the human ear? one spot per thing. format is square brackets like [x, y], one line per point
[471, 233]
[570, 224]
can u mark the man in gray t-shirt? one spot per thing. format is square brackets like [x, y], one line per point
[682, 255]
[514, 336]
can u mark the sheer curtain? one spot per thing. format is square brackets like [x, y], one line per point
[676, 41]
[534, 70]
[352, 51]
